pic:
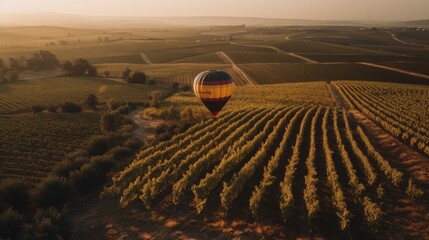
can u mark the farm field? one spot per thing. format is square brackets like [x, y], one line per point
[389, 105]
[31, 144]
[284, 73]
[20, 96]
[333, 172]
[315, 142]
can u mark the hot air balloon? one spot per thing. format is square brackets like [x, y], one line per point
[213, 88]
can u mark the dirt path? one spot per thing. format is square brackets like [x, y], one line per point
[397, 39]
[145, 58]
[277, 50]
[145, 127]
[341, 103]
[305, 59]
[287, 38]
[396, 70]
[237, 69]
[397, 152]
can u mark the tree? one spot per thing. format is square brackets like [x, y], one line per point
[42, 61]
[91, 101]
[126, 74]
[80, 67]
[156, 98]
[137, 77]
[107, 73]
[16, 64]
[70, 107]
[111, 121]
[92, 71]
[67, 66]
[2, 65]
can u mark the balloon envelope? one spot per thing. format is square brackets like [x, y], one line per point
[214, 88]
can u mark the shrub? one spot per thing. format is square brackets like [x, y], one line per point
[112, 121]
[92, 175]
[156, 99]
[11, 224]
[120, 152]
[66, 166]
[133, 143]
[124, 109]
[113, 105]
[91, 101]
[14, 193]
[92, 71]
[70, 107]
[52, 224]
[53, 191]
[137, 77]
[98, 145]
[103, 163]
[52, 108]
[37, 108]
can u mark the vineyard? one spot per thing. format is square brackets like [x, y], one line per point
[32, 144]
[389, 105]
[302, 160]
[20, 96]
[292, 72]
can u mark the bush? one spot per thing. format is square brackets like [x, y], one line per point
[112, 121]
[156, 99]
[120, 152]
[53, 191]
[70, 107]
[14, 193]
[98, 145]
[66, 166]
[52, 108]
[124, 109]
[37, 108]
[11, 224]
[103, 163]
[52, 224]
[91, 101]
[92, 71]
[113, 105]
[92, 175]
[133, 143]
[137, 77]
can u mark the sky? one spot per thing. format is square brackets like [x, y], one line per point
[287, 9]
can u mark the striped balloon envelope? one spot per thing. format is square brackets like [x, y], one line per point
[214, 88]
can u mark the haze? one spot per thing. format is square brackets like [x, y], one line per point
[287, 9]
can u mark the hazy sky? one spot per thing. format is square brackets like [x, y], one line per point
[292, 9]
